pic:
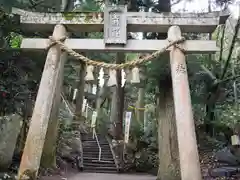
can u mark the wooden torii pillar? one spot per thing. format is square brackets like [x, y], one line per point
[137, 22]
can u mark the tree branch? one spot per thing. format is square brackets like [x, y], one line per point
[231, 49]
[34, 4]
[228, 79]
[178, 1]
[208, 72]
[221, 43]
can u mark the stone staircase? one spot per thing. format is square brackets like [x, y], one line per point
[91, 161]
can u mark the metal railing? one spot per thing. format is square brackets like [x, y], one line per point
[99, 147]
[67, 105]
[113, 152]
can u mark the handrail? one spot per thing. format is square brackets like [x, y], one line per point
[99, 147]
[113, 152]
[81, 155]
[67, 105]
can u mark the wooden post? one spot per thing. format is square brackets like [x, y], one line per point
[141, 96]
[189, 159]
[80, 92]
[42, 111]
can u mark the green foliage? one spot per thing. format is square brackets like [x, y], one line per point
[89, 6]
[6, 5]
[15, 40]
[228, 115]
[224, 3]
[145, 144]
[18, 80]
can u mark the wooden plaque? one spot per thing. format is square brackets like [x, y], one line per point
[115, 25]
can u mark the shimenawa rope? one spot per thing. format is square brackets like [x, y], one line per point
[133, 63]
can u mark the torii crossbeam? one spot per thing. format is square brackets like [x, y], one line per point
[136, 21]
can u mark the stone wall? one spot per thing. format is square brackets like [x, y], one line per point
[10, 127]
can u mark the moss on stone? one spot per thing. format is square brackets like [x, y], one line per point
[87, 19]
[69, 15]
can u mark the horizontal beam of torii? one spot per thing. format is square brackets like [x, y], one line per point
[97, 45]
[136, 21]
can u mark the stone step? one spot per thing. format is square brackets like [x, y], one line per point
[94, 159]
[88, 164]
[224, 171]
[94, 149]
[100, 169]
[87, 146]
[90, 135]
[91, 143]
[90, 139]
[94, 141]
[95, 145]
[98, 162]
[94, 155]
[91, 153]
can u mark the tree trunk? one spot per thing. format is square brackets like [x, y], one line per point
[140, 105]
[80, 86]
[117, 107]
[102, 95]
[140, 101]
[210, 109]
[80, 92]
[117, 104]
[113, 110]
[120, 108]
[167, 137]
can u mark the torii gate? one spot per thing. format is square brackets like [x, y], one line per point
[49, 90]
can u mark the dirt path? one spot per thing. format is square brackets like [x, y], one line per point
[101, 176]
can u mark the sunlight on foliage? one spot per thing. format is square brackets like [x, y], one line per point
[228, 115]
[15, 41]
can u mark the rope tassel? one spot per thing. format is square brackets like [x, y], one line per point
[135, 76]
[89, 76]
[128, 75]
[112, 79]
